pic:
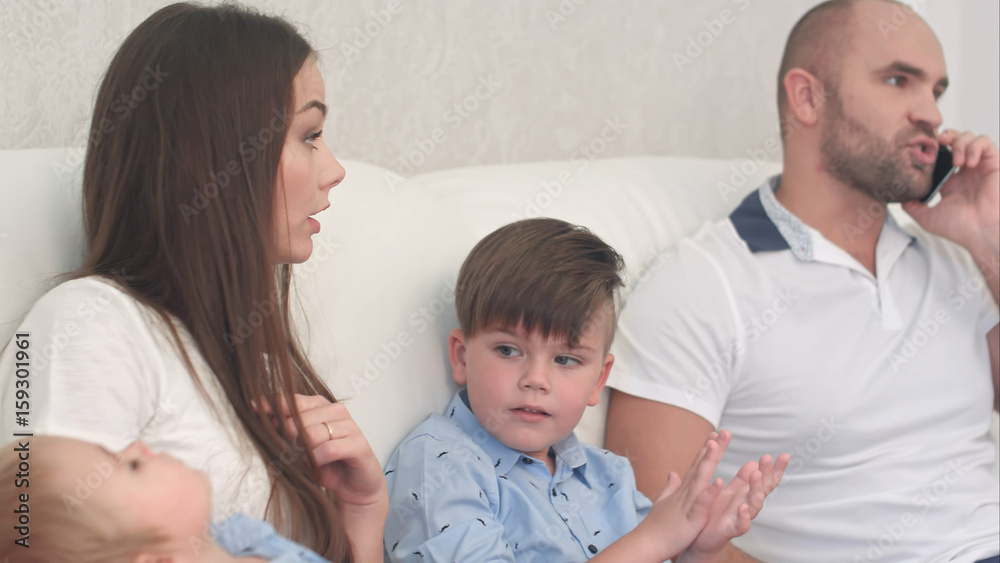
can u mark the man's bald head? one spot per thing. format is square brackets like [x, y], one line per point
[819, 42]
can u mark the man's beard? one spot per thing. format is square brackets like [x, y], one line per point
[851, 153]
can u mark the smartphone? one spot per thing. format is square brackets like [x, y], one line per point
[943, 169]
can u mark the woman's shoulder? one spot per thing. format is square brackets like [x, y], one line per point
[88, 299]
[88, 290]
[93, 312]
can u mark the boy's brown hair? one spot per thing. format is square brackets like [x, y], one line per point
[541, 274]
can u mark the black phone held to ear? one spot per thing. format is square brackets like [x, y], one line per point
[943, 169]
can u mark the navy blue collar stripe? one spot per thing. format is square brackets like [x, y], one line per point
[755, 227]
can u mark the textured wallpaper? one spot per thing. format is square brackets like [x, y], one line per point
[420, 86]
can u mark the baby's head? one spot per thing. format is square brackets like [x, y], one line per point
[537, 304]
[86, 504]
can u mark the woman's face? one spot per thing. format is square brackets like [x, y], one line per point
[306, 173]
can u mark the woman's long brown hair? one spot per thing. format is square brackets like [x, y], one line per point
[178, 192]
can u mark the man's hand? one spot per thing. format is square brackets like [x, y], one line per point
[969, 211]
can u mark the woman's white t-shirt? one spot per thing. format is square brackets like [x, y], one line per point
[103, 368]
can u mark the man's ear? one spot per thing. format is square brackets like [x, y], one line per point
[806, 96]
[456, 354]
[595, 396]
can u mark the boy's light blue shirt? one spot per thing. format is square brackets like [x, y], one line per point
[242, 536]
[458, 494]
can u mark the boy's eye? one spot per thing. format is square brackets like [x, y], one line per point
[506, 351]
[895, 80]
[133, 465]
[566, 360]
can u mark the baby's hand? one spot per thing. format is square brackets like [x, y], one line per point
[738, 503]
[683, 508]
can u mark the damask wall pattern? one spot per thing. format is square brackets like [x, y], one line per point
[416, 86]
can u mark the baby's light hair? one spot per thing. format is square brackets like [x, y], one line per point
[62, 527]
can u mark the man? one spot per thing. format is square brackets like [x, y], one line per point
[810, 322]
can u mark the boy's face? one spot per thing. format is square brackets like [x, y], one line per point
[529, 392]
[142, 490]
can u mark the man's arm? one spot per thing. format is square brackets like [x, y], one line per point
[969, 215]
[993, 339]
[657, 438]
[987, 257]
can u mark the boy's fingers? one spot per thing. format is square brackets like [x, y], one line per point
[756, 495]
[747, 471]
[724, 438]
[701, 454]
[673, 483]
[704, 501]
[743, 519]
[778, 471]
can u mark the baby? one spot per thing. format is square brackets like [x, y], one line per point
[500, 475]
[76, 502]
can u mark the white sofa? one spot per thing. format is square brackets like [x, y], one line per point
[376, 298]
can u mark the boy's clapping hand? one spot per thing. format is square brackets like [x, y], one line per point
[697, 516]
[685, 505]
[738, 503]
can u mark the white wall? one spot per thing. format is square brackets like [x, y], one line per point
[968, 32]
[562, 70]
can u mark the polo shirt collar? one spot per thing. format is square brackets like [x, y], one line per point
[568, 450]
[766, 225]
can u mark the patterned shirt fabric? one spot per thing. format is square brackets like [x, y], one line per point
[458, 494]
[243, 536]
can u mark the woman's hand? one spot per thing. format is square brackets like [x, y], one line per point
[347, 467]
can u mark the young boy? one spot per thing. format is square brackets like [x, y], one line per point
[86, 505]
[500, 475]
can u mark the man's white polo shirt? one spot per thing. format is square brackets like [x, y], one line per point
[879, 386]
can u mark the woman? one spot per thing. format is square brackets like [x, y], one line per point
[205, 165]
